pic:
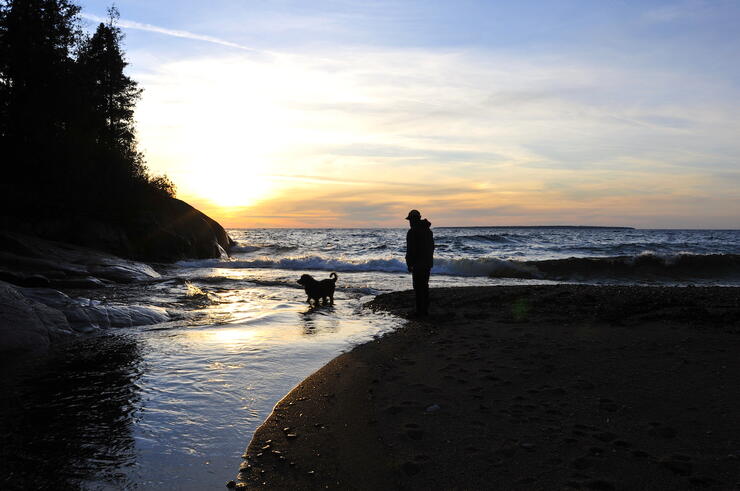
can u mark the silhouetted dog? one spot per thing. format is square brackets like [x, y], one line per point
[319, 290]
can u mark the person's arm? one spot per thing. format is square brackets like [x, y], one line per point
[431, 251]
[409, 251]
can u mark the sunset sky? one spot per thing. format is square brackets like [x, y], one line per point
[349, 113]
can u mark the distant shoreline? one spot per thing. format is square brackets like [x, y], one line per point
[545, 226]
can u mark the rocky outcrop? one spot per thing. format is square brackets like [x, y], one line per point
[174, 230]
[28, 325]
[32, 319]
[85, 315]
[33, 262]
[163, 230]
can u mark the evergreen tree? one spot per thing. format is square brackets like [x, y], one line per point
[111, 95]
[67, 130]
[37, 39]
[107, 107]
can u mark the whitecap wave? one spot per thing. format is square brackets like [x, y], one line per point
[458, 267]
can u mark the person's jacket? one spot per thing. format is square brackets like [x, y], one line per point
[420, 245]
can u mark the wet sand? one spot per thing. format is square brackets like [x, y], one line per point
[535, 387]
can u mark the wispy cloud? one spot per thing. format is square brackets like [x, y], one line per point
[355, 135]
[130, 24]
[677, 11]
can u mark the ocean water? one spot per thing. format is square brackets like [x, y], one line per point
[175, 404]
[540, 253]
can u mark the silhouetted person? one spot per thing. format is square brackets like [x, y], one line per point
[420, 258]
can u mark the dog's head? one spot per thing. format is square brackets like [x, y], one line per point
[305, 279]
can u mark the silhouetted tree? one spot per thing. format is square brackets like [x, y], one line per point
[108, 104]
[110, 94]
[163, 185]
[37, 40]
[67, 125]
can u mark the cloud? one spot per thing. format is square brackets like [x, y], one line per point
[676, 11]
[129, 24]
[340, 136]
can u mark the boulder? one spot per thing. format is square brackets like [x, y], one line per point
[31, 261]
[85, 315]
[28, 325]
[164, 230]
[173, 230]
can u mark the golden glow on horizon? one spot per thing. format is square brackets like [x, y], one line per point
[347, 141]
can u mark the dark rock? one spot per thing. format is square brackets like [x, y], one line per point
[165, 229]
[28, 325]
[85, 282]
[86, 315]
[64, 262]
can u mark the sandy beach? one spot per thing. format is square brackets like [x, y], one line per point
[533, 387]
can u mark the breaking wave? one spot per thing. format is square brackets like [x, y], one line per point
[644, 266]
[244, 249]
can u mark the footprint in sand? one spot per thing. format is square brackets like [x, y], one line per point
[415, 434]
[582, 463]
[658, 430]
[678, 464]
[410, 468]
[605, 436]
[600, 485]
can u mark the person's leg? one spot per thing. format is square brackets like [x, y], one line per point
[420, 279]
[423, 304]
[417, 281]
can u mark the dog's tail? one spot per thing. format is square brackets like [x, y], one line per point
[333, 276]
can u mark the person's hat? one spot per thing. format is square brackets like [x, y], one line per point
[414, 214]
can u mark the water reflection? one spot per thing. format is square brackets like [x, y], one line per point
[68, 420]
[320, 319]
[175, 399]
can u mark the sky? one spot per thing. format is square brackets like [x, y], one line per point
[348, 113]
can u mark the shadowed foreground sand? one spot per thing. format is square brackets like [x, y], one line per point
[536, 387]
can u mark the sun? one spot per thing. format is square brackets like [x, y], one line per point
[232, 187]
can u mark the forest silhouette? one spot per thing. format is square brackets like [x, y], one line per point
[67, 127]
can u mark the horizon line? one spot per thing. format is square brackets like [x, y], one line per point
[615, 227]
